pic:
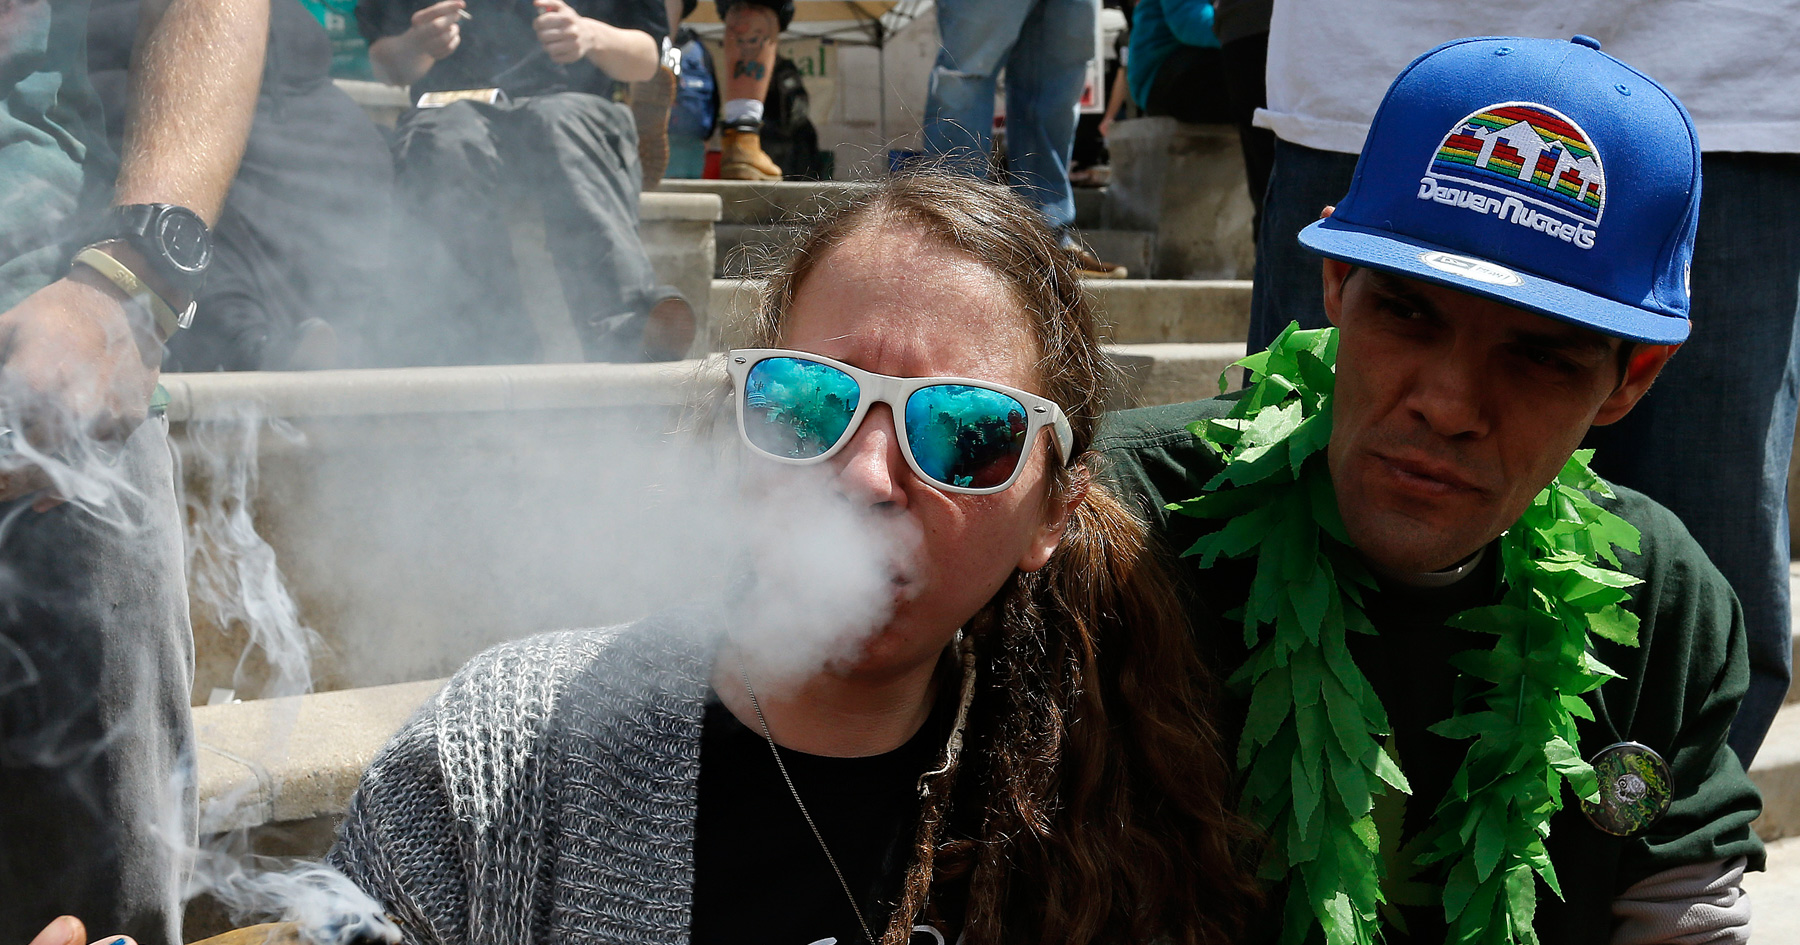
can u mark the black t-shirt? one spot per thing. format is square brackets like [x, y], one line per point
[759, 875]
[500, 49]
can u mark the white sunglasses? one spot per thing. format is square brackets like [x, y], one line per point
[960, 434]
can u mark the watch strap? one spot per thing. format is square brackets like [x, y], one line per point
[134, 219]
[168, 321]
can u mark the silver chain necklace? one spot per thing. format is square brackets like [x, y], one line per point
[782, 766]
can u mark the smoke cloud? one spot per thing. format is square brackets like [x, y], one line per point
[424, 539]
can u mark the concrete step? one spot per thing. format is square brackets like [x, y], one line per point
[1133, 249]
[1133, 311]
[765, 202]
[275, 761]
[1186, 183]
[1090, 208]
[781, 201]
[1775, 894]
[747, 249]
[1776, 772]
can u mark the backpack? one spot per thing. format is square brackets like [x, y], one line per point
[696, 107]
[788, 135]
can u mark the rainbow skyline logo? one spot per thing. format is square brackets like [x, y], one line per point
[1529, 151]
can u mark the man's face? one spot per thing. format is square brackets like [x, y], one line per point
[1453, 411]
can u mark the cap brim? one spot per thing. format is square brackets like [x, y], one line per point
[1367, 247]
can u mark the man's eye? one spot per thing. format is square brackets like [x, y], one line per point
[1548, 359]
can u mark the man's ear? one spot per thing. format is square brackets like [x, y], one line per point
[1058, 510]
[1646, 362]
[1335, 273]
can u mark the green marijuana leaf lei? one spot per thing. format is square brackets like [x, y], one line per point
[1313, 750]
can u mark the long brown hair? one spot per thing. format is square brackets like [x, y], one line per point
[1091, 803]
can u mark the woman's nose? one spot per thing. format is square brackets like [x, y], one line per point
[870, 468]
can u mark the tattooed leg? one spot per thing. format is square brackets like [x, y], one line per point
[750, 35]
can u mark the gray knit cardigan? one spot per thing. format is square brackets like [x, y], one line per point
[547, 794]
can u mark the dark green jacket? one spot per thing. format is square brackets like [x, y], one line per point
[1680, 690]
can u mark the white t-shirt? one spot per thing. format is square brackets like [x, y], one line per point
[1735, 64]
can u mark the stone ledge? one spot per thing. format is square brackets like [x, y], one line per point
[765, 202]
[1776, 772]
[1175, 373]
[385, 391]
[293, 759]
[654, 207]
[1160, 372]
[374, 94]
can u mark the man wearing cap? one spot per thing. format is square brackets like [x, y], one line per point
[1712, 440]
[1480, 696]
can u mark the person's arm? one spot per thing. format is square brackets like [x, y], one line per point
[398, 841]
[1115, 103]
[1698, 904]
[435, 33]
[627, 55]
[79, 357]
[1680, 880]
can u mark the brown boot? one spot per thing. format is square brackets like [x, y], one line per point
[1091, 266]
[650, 103]
[743, 157]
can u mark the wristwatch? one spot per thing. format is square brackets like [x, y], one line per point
[176, 244]
[174, 239]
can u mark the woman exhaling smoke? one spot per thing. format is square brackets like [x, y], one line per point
[1019, 751]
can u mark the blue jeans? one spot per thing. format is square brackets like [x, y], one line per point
[1053, 39]
[1288, 287]
[1711, 441]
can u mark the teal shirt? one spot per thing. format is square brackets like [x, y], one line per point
[1680, 690]
[49, 129]
[1158, 28]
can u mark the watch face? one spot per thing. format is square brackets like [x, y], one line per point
[185, 242]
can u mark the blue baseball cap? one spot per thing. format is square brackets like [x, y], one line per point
[1543, 174]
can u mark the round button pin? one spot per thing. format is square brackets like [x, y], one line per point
[1635, 789]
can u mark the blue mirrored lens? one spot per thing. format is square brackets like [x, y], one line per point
[796, 408]
[965, 436]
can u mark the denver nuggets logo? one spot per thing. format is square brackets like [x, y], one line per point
[1526, 164]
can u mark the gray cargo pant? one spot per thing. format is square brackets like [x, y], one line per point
[96, 739]
[457, 167]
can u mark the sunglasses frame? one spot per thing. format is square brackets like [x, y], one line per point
[874, 388]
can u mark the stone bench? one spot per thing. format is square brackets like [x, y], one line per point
[364, 487]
